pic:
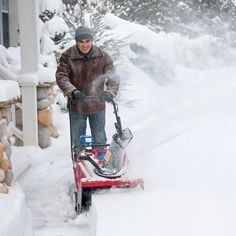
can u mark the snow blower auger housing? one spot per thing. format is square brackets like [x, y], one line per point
[101, 166]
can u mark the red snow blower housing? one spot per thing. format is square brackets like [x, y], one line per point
[101, 166]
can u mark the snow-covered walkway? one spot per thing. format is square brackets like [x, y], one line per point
[185, 154]
[46, 184]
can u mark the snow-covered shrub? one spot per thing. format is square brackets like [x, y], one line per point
[72, 14]
[53, 30]
[48, 9]
[47, 15]
[187, 17]
[56, 28]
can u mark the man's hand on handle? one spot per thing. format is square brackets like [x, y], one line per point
[80, 96]
[107, 96]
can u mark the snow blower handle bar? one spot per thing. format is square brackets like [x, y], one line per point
[115, 108]
[118, 121]
[118, 125]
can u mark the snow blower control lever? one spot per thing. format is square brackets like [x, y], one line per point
[118, 121]
[122, 137]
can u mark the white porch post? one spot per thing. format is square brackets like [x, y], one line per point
[29, 41]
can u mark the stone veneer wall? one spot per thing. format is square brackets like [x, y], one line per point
[6, 141]
[46, 129]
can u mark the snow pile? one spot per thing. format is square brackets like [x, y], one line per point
[8, 90]
[13, 212]
[46, 74]
[183, 142]
[11, 67]
[54, 32]
[49, 5]
[61, 26]
[4, 57]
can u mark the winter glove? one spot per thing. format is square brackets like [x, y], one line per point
[107, 96]
[77, 95]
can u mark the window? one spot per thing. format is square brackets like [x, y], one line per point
[5, 5]
[4, 22]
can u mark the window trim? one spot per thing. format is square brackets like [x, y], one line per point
[1, 24]
[3, 11]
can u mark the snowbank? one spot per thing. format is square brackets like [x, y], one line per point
[13, 212]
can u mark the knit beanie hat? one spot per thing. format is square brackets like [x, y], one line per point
[82, 33]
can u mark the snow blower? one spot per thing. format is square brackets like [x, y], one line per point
[101, 166]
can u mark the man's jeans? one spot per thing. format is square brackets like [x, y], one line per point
[79, 124]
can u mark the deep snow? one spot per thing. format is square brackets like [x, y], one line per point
[182, 115]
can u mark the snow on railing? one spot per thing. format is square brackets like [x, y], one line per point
[9, 92]
[45, 98]
[6, 74]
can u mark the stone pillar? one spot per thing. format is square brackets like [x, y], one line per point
[29, 41]
[46, 127]
[6, 141]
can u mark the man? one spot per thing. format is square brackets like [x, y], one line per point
[86, 70]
